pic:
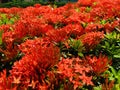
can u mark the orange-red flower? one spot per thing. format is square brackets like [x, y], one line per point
[98, 64]
[6, 83]
[37, 5]
[38, 59]
[91, 39]
[75, 71]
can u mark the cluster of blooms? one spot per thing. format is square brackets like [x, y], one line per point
[99, 65]
[38, 33]
[75, 70]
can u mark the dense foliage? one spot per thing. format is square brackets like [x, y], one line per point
[26, 3]
[73, 47]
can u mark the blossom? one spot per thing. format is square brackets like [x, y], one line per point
[53, 18]
[98, 64]
[57, 35]
[93, 27]
[91, 39]
[36, 62]
[74, 29]
[75, 71]
[37, 5]
[6, 83]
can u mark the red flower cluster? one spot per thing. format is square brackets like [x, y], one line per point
[5, 83]
[99, 65]
[35, 64]
[75, 70]
[91, 39]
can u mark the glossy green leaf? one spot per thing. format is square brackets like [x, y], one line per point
[117, 56]
[80, 54]
[1, 32]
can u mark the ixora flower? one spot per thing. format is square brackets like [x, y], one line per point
[57, 35]
[74, 29]
[91, 39]
[33, 66]
[98, 64]
[37, 5]
[75, 70]
[6, 83]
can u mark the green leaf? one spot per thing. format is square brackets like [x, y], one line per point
[118, 73]
[97, 88]
[11, 28]
[116, 87]
[84, 24]
[113, 71]
[107, 44]
[77, 44]
[116, 56]
[88, 9]
[80, 54]
[77, 10]
[94, 3]
[114, 35]
[5, 20]
[12, 20]
[3, 16]
[1, 32]
[112, 46]
[103, 22]
[1, 22]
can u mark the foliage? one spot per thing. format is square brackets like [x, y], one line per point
[26, 4]
[10, 19]
[113, 75]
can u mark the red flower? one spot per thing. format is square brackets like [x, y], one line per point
[53, 18]
[5, 28]
[91, 39]
[74, 29]
[37, 5]
[98, 64]
[6, 82]
[58, 35]
[93, 27]
[35, 64]
[75, 71]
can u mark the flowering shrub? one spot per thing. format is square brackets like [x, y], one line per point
[73, 47]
